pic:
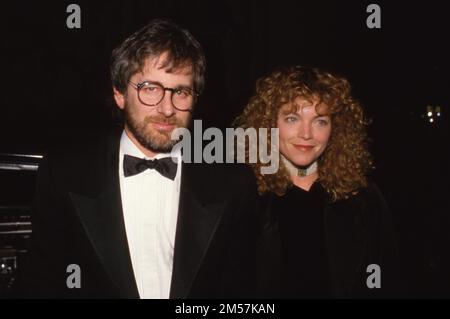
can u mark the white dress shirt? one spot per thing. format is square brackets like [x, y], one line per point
[150, 209]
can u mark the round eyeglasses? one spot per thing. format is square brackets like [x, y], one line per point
[151, 94]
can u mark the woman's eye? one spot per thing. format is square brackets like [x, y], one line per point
[290, 119]
[322, 122]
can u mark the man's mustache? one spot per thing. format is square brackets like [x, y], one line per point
[162, 120]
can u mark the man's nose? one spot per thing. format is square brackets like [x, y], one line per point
[166, 106]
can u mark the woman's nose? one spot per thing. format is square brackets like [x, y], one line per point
[304, 131]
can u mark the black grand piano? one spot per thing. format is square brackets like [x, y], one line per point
[17, 183]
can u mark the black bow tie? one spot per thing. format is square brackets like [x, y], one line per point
[134, 165]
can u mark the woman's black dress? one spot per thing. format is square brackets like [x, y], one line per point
[305, 267]
[312, 247]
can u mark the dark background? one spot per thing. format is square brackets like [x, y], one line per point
[56, 89]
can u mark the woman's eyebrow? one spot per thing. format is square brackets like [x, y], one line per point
[288, 111]
[323, 115]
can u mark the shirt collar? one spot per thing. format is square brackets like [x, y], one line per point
[128, 147]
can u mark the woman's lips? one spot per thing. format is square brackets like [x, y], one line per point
[303, 148]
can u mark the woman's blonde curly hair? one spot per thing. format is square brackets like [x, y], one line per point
[346, 161]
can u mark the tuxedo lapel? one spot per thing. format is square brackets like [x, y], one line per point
[102, 219]
[196, 226]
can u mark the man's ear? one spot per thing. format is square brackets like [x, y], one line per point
[119, 98]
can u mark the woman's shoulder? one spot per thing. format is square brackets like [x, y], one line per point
[372, 194]
[368, 201]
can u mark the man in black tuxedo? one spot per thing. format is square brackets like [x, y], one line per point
[122, 216]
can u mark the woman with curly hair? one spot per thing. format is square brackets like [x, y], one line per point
[327, 230]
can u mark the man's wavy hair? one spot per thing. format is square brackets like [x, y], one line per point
[157, 37]
[346, 161]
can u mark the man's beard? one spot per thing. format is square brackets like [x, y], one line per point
[150, 138]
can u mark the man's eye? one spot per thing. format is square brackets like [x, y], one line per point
[182, 93]
[151, 88]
